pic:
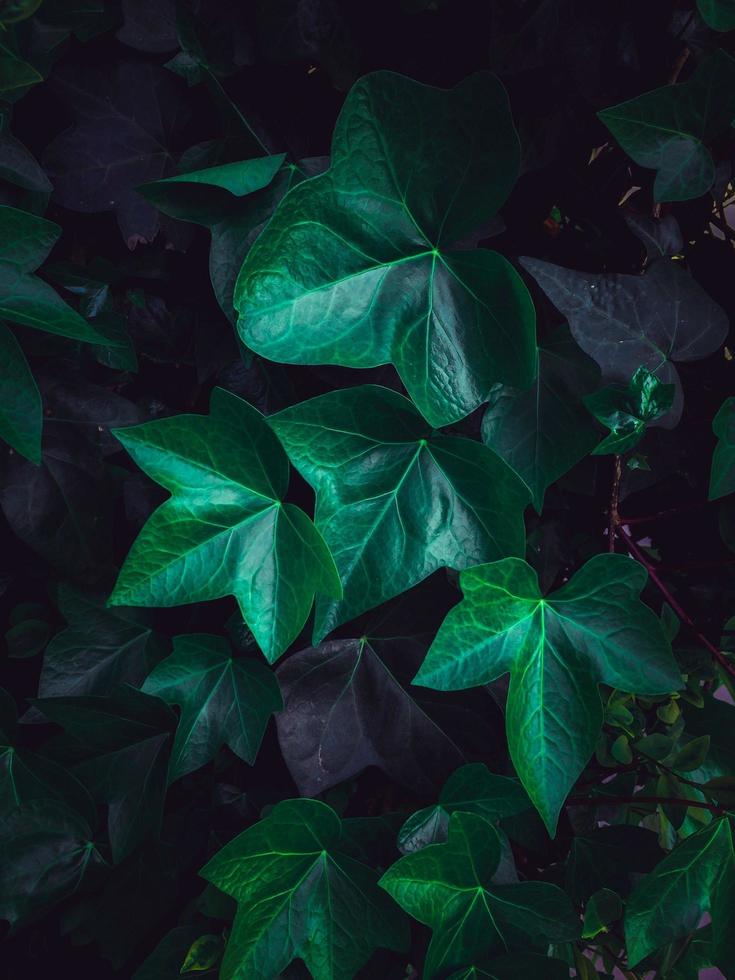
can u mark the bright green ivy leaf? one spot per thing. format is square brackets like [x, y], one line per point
[722, 477]
[449, 888]
[667, 129]
[627, 411]
[25, 241]
[395, 502]
[592, 630]
[21, 411]
[224, 700]
[299, 897]
[718, 14]
[669, 902]
[470, 789]
[225, 529]
[357, 266]
[542, 432]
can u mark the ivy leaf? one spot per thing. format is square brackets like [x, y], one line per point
[298, 896]
[15, 73]
[722, 477]
[593, 630]
[124, 742]
[345, 709]
[125, 118]
[516, 966]
[448, 887]
[542, 432]
[21, 410]
[669, 903]
[47, 854]
[99, 649]
[627, 411]
[470, 789]
[661, 237]
[718, 14]
[25, 242]
[356, 266]
[667, 129]
[394, 502]
[223, 700]
[625, 322]
[224, 530]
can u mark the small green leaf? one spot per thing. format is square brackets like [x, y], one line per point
[718, 14]
[621, 750]
[298, 896]
[558, 650]
[656, 746]
[225, 529]
[204, 953]
[602, 908]
[449, 888]
[627, 411]
[692, 755]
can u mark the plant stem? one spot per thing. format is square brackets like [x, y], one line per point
[680, 612]
[663, 514]
[662, 800]
[615, 502]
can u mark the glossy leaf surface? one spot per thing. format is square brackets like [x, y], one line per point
[542, 432]
[667, 129]
[225, 529]
[298, 896]
[558, 649]
[394, 502]
[448, 888]
[357, 268]
[627, 411]
[224, 700]
[373, 719]
[625, 322]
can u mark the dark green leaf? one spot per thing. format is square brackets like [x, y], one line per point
[722, 477]
[224, 700]
[516, 966]
[394, 502]
[225, 529]
[718, 14]
[299, 897]
[602, 908]
[627, 411]
[448, 888]
[541, 433]
[593, 630]
[371, 239]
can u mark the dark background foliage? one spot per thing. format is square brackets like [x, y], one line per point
[286, 65]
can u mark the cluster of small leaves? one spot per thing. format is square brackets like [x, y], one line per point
[339, 639]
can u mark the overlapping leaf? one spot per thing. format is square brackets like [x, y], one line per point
[625, 322]
[593, 630]
[627, 411]
[394, 502]
[371, 718]
[225, 529]
[448, 887]
[668, 129]
[541, 433]
[356, 267]
[298, 896]
[224, 700]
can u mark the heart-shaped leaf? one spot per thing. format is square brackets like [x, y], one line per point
[356, 267]
[593, 630]
[394, 502]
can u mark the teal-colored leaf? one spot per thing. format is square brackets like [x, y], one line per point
[298, 896]
[558, 649]
[21, 411]
[15, 73]
[25, 241]
[542, 432]
[224, 700]
[669, 903]
[225, 529]
[357, 266]
[449, 888]
[601, 909]
[394, 501]
[718, 14]
[722, 477]
[471, 789]
[627, 411]
[667, 129]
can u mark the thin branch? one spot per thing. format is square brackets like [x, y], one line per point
[614, 502]
[664, 514]
[658, 800]
[680, 612]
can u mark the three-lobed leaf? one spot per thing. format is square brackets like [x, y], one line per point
[357, 266]
[396, 502]
[225, 529]
[558, 650]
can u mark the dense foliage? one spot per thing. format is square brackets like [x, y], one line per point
[368, 489]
